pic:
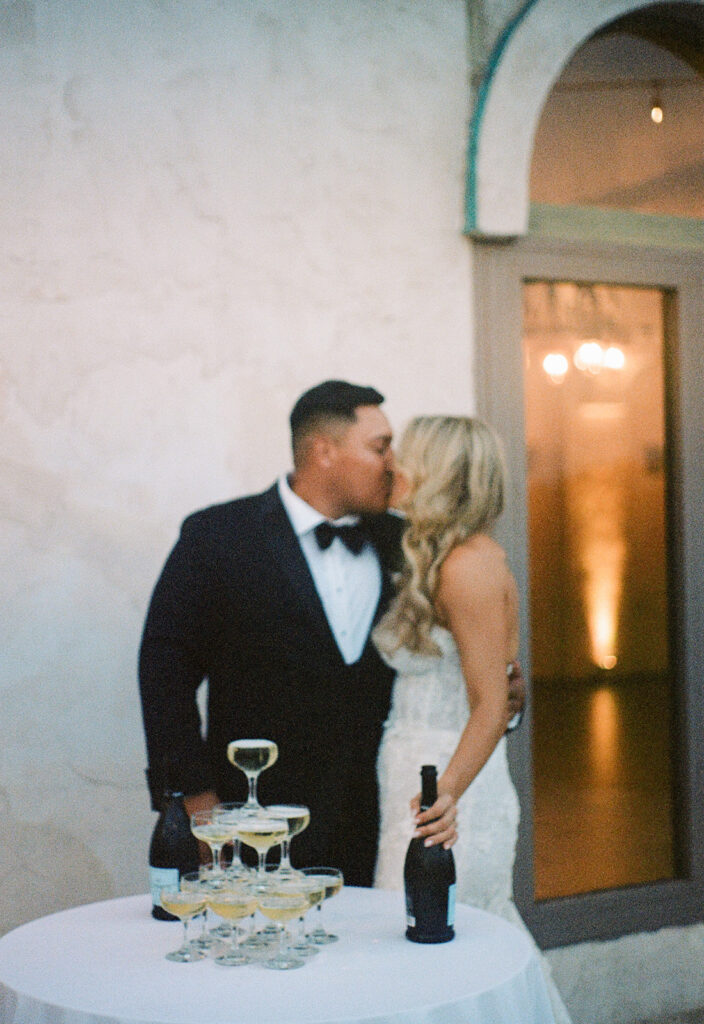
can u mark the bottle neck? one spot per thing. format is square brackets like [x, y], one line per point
[429, 786]
[171, 798]
[168, 775]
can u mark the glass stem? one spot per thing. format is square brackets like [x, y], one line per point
[252, 800]
[285, 861]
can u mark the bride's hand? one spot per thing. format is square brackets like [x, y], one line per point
[437, 824]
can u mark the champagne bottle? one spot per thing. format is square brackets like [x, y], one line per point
[173, 850]
[429, 879]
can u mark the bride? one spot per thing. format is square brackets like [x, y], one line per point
[450, 634]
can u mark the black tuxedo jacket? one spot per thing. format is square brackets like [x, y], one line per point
[236, 604]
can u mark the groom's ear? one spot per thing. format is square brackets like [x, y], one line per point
[323, 451]
[315, 452]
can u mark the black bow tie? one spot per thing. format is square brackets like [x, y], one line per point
[353, 537]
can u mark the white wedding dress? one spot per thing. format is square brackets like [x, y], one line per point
[428, 713]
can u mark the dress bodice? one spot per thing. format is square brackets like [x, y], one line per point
[430, 690]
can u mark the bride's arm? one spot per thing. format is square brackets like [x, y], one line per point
[476, 597]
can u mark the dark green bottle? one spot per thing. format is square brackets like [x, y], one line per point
[429, 878]
[173, 850]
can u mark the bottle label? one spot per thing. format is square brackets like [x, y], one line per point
[410, 911]
[162, 878]
[451, 897]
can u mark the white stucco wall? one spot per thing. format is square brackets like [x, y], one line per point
[204, 209]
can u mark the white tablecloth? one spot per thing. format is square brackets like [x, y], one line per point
[104, 964]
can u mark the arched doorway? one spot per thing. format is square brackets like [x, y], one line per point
[522, 69]
[613, 249]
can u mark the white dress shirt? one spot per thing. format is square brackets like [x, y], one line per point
[349, 586]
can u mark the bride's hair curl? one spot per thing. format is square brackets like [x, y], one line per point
[455, 471]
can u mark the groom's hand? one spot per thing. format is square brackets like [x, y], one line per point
[437, 824]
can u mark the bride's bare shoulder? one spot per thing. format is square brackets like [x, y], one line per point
[476, 554]
[478, 563]
[476, 587]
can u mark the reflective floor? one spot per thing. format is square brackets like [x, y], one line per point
[603, 805]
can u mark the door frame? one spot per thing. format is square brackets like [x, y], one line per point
[499, 270]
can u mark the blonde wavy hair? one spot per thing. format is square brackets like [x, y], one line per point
[455, 470]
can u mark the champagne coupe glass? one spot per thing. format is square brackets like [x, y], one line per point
[283, 906]
[231, 813]
[261, 832]
[233, 902]
[315, 893]
[298, 818]
[206, 827]
[332, 879]
[184, 904]
[252, 757]
[194, 881]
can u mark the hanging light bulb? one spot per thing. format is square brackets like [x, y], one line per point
[656, 114]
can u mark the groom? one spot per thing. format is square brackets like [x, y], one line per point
[272, 598]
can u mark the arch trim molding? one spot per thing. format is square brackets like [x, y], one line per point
[526, 61]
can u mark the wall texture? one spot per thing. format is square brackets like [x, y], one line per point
[204, 209]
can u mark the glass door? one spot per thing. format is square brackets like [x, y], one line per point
[589, 362]
[600, 579]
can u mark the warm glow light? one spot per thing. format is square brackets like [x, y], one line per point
[589, 357]
[603, 595]
[610, 661]
[556, 366]
[656, 112]
[603, 734]
[602, 411]
[599, 501]
[614, 359]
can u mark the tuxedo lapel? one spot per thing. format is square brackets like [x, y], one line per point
[291, 563]
[385, 533]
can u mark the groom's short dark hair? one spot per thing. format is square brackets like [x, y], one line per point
[332, 400]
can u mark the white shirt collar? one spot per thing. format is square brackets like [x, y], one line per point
[303, 516]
